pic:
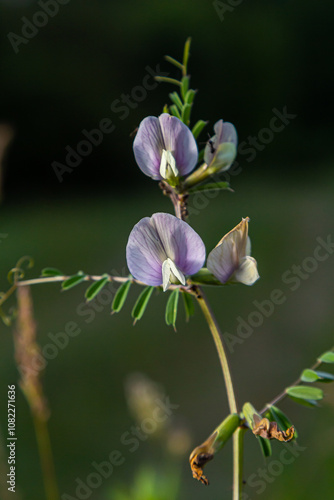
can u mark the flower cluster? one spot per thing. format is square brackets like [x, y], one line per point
[163, 250]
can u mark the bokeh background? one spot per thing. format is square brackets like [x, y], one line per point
[246, 60]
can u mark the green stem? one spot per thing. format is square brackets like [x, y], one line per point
[60, 279]
[45, 453]
[238, 452]
[238, 434]
[213, 325]
[167, 80]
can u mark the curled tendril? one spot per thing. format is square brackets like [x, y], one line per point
[18, 272]
[26, 258]
[15, 274]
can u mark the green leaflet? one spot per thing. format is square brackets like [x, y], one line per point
[120, 296]
[186, 113]
[175, 112]
[174, 62]
[265, 446]
[73, 280]
[248, 411]
[190, 96]
[188, 305]
[310, 376]
[325, 377]
[184, 86]
[186, 54]
[305, 393]
[171, 308]
[51, 271]
[327, 357]
[175, 98]
[96, 287]
[141, 304]
[216, 186]
[197, 129]
[310, 403]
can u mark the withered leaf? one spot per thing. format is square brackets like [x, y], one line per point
[197, 462]
[269, 430]
[200, 456]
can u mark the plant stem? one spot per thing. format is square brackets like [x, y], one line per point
[238, 434]
[213, 325]
[116, 279]
[45, 453]
[55, 279]
[238, 453]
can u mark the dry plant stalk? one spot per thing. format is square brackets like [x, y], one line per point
[26, 352]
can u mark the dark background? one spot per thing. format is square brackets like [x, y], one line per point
[261, 56]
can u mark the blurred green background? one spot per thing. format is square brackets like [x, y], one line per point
[259, 57]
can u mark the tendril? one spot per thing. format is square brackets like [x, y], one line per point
[17, 272]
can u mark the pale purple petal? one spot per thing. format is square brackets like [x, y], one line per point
[148, 146]
[155, 239]
[181, 243]
[145, 254]
[225, 259]
[224, 132]
[180, 141]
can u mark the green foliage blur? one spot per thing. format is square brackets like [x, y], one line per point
[262, 56]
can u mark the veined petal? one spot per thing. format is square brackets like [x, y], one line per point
[145, 253]
[179, 140]
[148, 146]
[238, 235]
[222, 261]
[181, 243]
[159, 239]
[247, 273]
[225, 259]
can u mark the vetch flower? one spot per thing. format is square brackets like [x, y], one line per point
[165, 148]
[162, 249]
[230, 260]
[221, 149]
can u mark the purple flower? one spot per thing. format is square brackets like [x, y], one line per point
[221, 149]
[163, 249]
[164, 147]
[230, 260]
